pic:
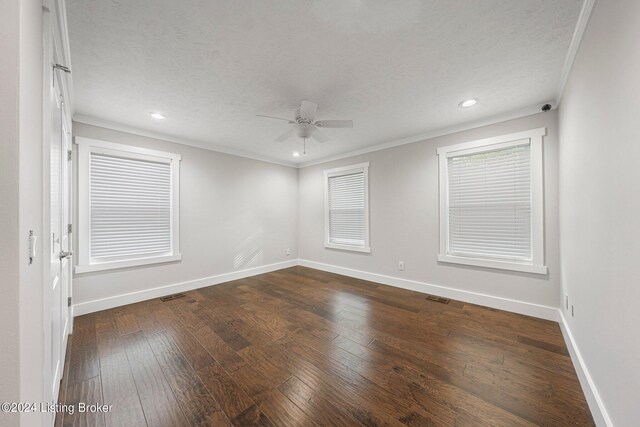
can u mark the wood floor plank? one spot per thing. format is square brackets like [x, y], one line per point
[247, 328]
[119, 390]
[231, 337]
[158, 400]
[107, 334]
[362, 399]
[305, 347]
[555, 348]
[366, 367]
[62, 394]
[282, 411]
[252, 416]
[86, 392]
[127, 323]
[146, 318]
[84, 361]
[218, 349]
[253, 381]
[506, 397]
[195, 400]
[232, 398]
[315, 406]
[264, 361]
[193, 351]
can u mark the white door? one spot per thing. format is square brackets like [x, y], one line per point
[66, 242]
[60, 242]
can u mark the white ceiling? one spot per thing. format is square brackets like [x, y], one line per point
[396, 67]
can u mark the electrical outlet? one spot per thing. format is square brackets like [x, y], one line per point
[573, 314]
[288, 252]
[401, 265]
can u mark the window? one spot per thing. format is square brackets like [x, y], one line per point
[128, 205]
[491, 202]
[347, 208]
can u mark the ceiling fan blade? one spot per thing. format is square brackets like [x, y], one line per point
[335, 123]
[288, 134]
[308, 110]
[277, 118]
[319, 136]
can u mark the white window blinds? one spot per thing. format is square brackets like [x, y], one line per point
[130, 207]
[346, 210]
[489, 200]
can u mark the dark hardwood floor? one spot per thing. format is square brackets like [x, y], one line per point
[305, 347]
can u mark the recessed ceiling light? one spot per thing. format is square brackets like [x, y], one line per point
[468, 103]
[158, 116]
[296, 154]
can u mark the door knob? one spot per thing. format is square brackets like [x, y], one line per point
[64, 254]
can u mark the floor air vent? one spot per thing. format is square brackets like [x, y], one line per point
[171, 297]
[437, 299]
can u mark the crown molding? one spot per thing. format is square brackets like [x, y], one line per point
[94, 121]
[583, 20]
[527, 111]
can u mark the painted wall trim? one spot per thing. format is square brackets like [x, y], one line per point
[515, 306]
[596, 405]
[583, 20]
[527, 111]
[94, 121]
[133, 297]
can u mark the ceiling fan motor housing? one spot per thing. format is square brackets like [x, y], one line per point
[305, 130]
[305, 126]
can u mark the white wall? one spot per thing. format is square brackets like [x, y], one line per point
[21, 192]
[9, 212]
[403, 190]
[235, 214]
[32, 187]
[600, 204]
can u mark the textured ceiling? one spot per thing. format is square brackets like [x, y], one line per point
[396, 67]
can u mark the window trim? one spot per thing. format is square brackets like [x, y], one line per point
[537, 265]
[86, 146]
[347, 170]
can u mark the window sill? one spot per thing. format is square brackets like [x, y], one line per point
[502, 265]
[365, 249]
[124, 264]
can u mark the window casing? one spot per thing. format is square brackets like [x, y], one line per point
[128, 206]
[492, 202]
[347, 208]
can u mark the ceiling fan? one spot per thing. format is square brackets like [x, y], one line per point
[305, 126]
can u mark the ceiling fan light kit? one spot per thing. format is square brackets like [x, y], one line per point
[305, 126]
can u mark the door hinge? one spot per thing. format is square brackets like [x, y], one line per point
[69, 155]
[61, 68]
[69, 228]
[69, 302]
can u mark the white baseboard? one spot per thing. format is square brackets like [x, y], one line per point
[596, 405]
[521, 307]
[515, 306]
[133, 297]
